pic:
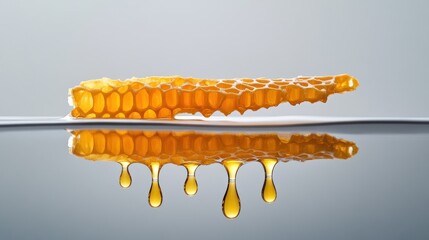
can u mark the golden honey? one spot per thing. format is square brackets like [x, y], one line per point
[269, 193]
[194, 149]
[191, 185]
[205, 148]
[231, 204]
[165, 97]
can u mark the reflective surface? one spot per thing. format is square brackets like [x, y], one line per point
[191, 149]
[380, 191]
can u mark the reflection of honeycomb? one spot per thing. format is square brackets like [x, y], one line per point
[164, 97]
[205, 148]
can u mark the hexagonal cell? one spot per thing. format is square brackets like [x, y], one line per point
[156, 98]
[127, 101]
[142, 99]
[99, 102]
[134, 115]
[171, 98]
[113, 102]
[149, 114]
[223, 85]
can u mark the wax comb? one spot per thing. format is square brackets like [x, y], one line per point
[164, 97]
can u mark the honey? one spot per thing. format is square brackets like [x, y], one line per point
[165, 97]
[231, 201]
[192, 150]
[269, 193]
[191, 185]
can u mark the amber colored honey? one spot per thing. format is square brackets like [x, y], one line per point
[205, 147]
[193, 149]
[164, 97]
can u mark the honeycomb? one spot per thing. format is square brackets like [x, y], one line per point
[192, 149]
[164, 97]
[205, 148]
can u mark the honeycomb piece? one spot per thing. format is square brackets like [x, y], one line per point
[192, 149]
[164, 97]
[205, 148]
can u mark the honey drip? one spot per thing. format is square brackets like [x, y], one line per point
[155, 193]
[231, 201]
[125, 178]
[269, 193]
[193, 149]
[191, 185]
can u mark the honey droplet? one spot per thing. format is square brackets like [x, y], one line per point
[191, 185]
[269, 193]
[155, 194]
[125, 178]
[231, 201]
[191, 149]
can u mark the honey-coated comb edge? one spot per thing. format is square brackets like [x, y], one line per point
[164, 97]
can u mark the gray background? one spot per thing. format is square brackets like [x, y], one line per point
[47, 47]
[380, 193]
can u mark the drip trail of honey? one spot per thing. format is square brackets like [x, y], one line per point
[125, 178]
[194, 149]
[231, 201]
[269, 193]
[155, 194]
[191, 185]
[164, 97]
